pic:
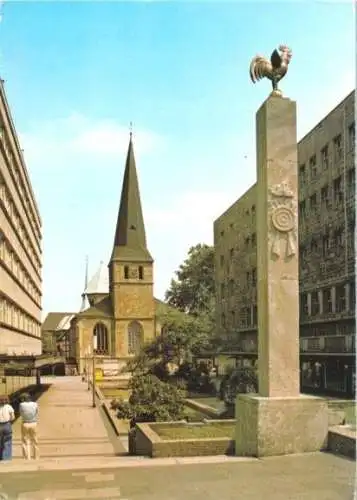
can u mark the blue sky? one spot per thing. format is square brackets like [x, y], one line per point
[76, 74]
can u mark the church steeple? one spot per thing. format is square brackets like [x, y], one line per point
[130, 236]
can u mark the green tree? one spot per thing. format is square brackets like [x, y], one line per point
[193, 290]
[151, 400]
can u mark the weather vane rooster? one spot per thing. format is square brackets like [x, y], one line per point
[274, 70]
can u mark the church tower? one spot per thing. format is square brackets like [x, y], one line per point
[131, 270]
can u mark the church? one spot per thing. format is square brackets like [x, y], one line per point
[122, 312]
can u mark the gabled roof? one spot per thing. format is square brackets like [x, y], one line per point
[130, 236]
[53, 319]
[65, 322]
[100, 281]
[101, 309]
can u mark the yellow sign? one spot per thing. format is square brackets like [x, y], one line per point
[98, 374]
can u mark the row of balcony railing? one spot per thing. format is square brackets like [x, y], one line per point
[338, 344]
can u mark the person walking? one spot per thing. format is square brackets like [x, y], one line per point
[29, 414]
[7, 416]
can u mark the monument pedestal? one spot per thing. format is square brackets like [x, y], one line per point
[268, 426]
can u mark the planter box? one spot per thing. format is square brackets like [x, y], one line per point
[147, 442]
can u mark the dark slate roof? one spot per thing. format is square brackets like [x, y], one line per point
[53, 319]
[130, 237]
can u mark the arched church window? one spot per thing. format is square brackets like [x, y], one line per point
[141, 273]
[126, 272]
[100, 334]
[135, 335]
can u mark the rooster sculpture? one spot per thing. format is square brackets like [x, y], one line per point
[274, 70]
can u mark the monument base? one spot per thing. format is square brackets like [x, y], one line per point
[280, 425]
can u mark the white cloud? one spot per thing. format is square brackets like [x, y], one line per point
[77, 137]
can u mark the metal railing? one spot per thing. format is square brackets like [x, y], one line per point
[329, 344]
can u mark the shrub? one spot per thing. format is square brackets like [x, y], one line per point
[151, 400]
[242, 380]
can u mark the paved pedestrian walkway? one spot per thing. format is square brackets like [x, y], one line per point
[69, 427]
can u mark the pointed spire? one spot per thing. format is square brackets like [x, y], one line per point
[130, 237]
[84, 297]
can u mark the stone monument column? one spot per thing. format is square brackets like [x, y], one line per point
[277, 248]
[278, 420]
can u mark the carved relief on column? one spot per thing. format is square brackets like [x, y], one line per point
[282, 209]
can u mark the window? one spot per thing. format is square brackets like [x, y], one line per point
[126, 272]
[313, 245]
[304, 307]
[337, 142]
[340, 298]
[313, 203]
[255, 315]
[141, 273]
[221, 260]
[313, 168]
[247, 242]
[351, 136]
[222, 290]
[327, 301]
[337, 190]
[352, 296]
[223, 320]
[222, 234]
[338, 239]
[247, 278]
[231, 253]
[100, 339]
[233, 317]
[302, 209]
[324, 157]
[253, 210]
[315, 305]
[230, 287]
[254, 277]
[324, 196]
[325, 244]
[231, 225]
[244, 313]
[135, 336]
[303, 252]
[302, 174]
[254, 239]
[351, 182]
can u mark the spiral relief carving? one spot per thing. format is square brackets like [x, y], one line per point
[283, 220]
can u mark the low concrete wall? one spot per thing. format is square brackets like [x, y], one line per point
[149, 443]
[206, 410]
[342, 441]
[120, 427]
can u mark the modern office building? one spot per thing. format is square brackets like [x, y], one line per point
[326, 162]
[20, 247]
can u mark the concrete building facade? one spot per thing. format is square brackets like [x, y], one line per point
[326, 172]
[20, 247]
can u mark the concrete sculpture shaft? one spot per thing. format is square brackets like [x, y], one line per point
[274, 70]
